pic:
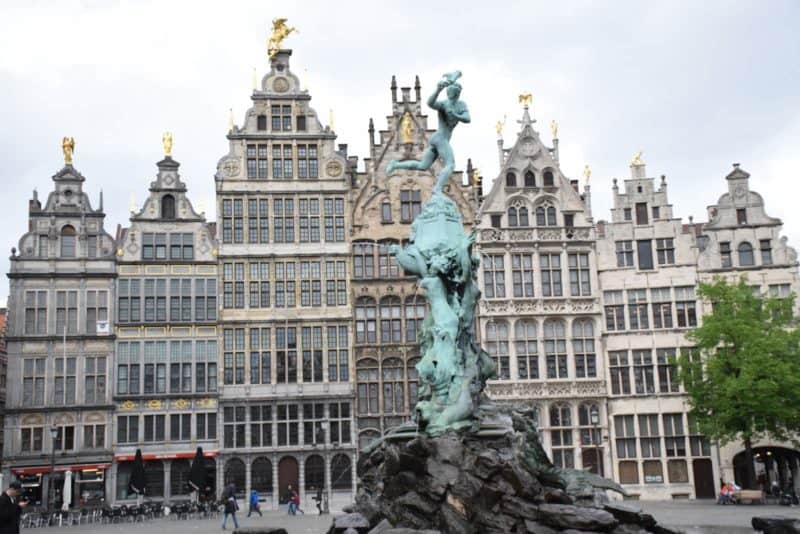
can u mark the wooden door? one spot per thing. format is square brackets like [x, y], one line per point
[704, 487]
[288, 474]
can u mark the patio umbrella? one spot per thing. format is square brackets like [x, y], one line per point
[138, 476]
[66, 495]
[197, 473]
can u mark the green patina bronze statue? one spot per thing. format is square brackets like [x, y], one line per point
[453, 369]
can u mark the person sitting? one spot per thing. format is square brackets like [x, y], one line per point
[724, 495]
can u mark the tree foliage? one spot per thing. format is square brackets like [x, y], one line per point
[743, 380]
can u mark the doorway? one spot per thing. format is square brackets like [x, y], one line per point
[704, 487]
[288, 473]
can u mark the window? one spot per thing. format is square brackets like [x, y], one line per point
[522, 274]
[698, 444]
[227, 221]
[653, 473]
[579, 275]
[96, 309]
[31, 439]
[530, 179]
[68, 241]
[386, 212]
[334, 220]
[649, 439]
[261, 122]
[309, 220]
[281, 118]
[551, 274]
[288, 425]
[512, 217]
[569, 220]
[388, 267]
[662, 307]
[180, 367]
[511, 179]
[367, 379]
[95, 380]
[746, 258]
[620, 372]
[363, 259]
[391, 328]
[283, 220]
[335, 283]
[341, 472]
[725, 254]
[526, 346]
[233, 340]
[494, 284]
[65, 380]
[366, 316]
[615, 310]
[555, 348]
[656, 212]
[310, 284]
[206, 424]
[127, 428]
[583, 347]
[665, 251]
[33, 374]
[282, 164]
[392, 381]
[91, 246]
[284, 285]
[311, 338]
[257, 160]
[781, 291]
[66, 312]
[644, 249]
[167, 207]
[339, 417]
[205, 366]
[637, 309]
[155, 367]
[548, 178]
[561, 436]
[301, 127]
[766, 252]
[44, 246]
[258, 220]
[627, 214]
[154, 246]
[496, 221]
[546, 215]
[128, 368]
[180, 426]
[65, 438]
[261, 426]
[260, 355]
[624, 253]
[741, 216]
[674, 435]
[643, 377]
[641, 213]
[497, 347]
[685, 306]
[286, 355]
[234, 426]
[410, 205]
[413, 381]
[36, 312]
[307, 163]
[625, 436]
[94, 436]
[338, 354]
[667, 371]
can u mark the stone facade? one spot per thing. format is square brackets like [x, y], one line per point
[60, 346]
[165, 386]
[388, 305]
[285, 321]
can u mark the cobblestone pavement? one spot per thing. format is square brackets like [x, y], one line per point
[695, 517]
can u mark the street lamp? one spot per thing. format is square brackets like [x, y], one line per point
[594, 418]
[51, 492]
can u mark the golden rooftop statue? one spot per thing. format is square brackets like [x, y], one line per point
[587, 173]
[280, 31]
[406, 128]
[554, 128]
[499, 127]
[166, 140]
[230, 120]
[637, 159]
[476, 177]
[526, 99]
[330, 119]
[68, 147]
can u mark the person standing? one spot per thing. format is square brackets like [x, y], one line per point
[230, 506]
[254, 506]
[11, 507]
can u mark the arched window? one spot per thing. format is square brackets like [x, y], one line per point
[367, 377]
[546, 215]
[261, 475]
[68, 241]
[235, 474]
[589, 423]
[179, 477]
[548, 178]
[583, 347]
[497, 347]
[341, 472]
[555, 348]
[512, 217]
[167, 207]
[746, 254]
[315, 473]
[413, 382]
[530, 179]
[561, 436]
[523, 216]
[363, 259]
[366, 314]
[387, 263]
[393, 397]
[527, 349]
[511, 179]
[551, 216]
[415, 313]
[391, 327]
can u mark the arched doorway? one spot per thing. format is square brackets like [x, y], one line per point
[261, 476]
[235, 474]
[288, 473]
[776, 468]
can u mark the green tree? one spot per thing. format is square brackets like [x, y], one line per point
[743, 380]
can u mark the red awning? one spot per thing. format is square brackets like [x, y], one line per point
[59, 469]
[164, 456]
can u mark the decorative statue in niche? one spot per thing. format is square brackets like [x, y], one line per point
[406, 128]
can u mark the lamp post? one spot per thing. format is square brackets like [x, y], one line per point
[51, 492]
[594, 417]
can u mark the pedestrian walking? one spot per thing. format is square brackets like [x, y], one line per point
[289, 498]
[230, 506]
[318, 499]
[254, 506]
[11, 506]
[296, 502]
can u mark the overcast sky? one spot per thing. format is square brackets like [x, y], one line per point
[695, 85]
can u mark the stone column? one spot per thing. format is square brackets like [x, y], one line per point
[301, 476]
[328, 480]
[248, 476]
[276, 490]
[167, 480]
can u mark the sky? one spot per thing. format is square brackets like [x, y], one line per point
[696, 86]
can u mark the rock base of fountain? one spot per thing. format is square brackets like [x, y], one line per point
[493, 478]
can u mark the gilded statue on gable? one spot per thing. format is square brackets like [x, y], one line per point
[280, 31]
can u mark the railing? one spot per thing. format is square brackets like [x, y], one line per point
[547, 233]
